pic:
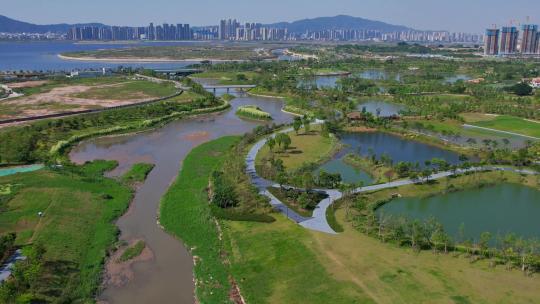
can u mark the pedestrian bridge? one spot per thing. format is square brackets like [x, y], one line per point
[237, 86]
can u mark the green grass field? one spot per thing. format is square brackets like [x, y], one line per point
[77, 227]
[132, 89]
[137, 173]
[186, 214]
[511, 124]
[305, 148]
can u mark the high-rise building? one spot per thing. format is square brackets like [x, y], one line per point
[491, 45]
[509, 39]
[151, 32]
[529, 42]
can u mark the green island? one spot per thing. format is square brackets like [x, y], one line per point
[253, 112]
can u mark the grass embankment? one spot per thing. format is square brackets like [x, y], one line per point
[132, 252]
[505, 123]
[185, 213]
[137, 173]
[79, 207]
[172, 53]
[379, 172]
[253, 112]
[305, 148]
[131, 89]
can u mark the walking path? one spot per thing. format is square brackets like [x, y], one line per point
[318, 221]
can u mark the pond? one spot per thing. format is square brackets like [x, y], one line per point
[379, 143]
[320, 81]
[381, 108]
[399, 149]
[500, 209]
[19, 169]
[456, 78]
[348, 173]
[378, 75]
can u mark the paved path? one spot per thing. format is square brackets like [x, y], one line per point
[500, 131]
[318, 221]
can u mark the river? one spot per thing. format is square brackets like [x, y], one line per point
[168, 277]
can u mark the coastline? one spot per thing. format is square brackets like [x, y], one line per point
[129, 59]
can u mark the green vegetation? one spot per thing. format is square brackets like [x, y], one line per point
[137, 173]
[175, 53]
[185, 213]
[253, 112]
[511, 124]
[44, 140]
[305, 148]
[132, 251]
[381, 170]
[301, 202]
[73, 251]
[132, 89]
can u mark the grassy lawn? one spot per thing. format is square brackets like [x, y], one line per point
[275, 263]
[389, 274]
[76, 229]
[185, 213]
[305, 148]
[134, 89]
[507, 123]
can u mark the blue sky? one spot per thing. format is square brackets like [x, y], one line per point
[453, 15]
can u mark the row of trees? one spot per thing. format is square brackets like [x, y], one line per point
[430, 234]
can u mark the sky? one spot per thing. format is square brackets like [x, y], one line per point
[453, 15]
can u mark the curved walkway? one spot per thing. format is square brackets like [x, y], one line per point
[318, 221]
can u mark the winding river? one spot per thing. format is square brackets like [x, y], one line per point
[168, 276]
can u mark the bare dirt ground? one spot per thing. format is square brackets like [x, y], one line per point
[62, 99]
[118, 273]
[26, 84]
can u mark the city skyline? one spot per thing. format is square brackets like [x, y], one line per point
[441, 15]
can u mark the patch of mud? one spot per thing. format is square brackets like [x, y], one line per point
[196, 136]
[118, 274]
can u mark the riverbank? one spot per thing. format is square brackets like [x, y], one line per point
[142, 60]
[185, 213]
[74, 255]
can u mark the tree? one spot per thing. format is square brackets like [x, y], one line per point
[485, 238]
[306, 121]
[297, 124]
[426, 174]
[271, 143]
[521, 89]
[307, 181]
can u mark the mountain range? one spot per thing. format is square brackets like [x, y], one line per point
[8, 25]
[338, 22]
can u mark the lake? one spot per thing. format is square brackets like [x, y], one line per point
[381, 108]
[500, 209]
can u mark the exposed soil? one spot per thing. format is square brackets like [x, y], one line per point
[26, 84]
[118, 273]
[64, 99]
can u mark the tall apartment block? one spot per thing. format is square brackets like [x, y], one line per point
[491, 46]
[529, 39]
[509, 40]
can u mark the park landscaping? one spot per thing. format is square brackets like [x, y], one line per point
[66, 216]
[305, 148]
[506, 123]
[253, 112]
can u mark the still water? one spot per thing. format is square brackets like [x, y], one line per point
[167, 278]
[501, 209]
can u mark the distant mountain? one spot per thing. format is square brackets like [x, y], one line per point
[8, 25]
[338, 22]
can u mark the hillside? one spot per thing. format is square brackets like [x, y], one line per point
[338, 22]
[8, 25]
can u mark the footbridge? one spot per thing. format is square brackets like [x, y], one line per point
[229, 87]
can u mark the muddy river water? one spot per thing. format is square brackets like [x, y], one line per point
[168, 276]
